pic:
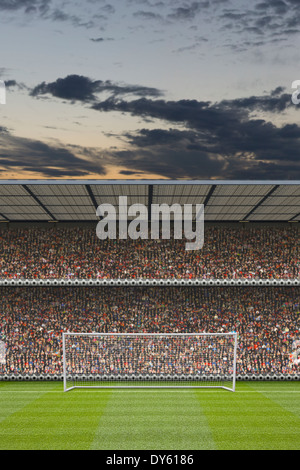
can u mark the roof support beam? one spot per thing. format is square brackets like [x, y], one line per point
[150, 201]
[261, 202]
[31, 193]
[92, 196]
[4, 217]
[295, 217]
[211, 192]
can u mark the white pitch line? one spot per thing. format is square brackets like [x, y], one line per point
[149, 391]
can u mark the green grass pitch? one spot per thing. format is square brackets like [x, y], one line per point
[40, 416]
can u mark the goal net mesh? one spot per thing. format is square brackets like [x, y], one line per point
[149, 360]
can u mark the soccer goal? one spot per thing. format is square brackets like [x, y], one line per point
[149, 360]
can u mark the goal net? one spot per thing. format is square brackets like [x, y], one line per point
[123, 360]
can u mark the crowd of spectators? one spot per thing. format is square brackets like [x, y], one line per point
[235, 252]
[32, 321]
[192, 357]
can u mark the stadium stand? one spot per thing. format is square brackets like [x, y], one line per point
[71, 252]
[32, 319]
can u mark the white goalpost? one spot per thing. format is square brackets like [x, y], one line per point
[149, 360]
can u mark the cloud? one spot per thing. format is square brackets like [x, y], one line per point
[101, 39]
[188, 11]
[31, 8]
[27, 5]
[207, 139]
[81, 88]
[147, 15]
[220, 139]
[56, 11]
[199, 114]
[276, 101]
[190, 157]
[195, 139]
[73, 87]
[20, 154]
[269, 21]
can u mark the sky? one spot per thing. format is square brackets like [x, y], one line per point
[146, 89]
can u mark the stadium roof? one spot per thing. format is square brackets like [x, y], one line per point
[77, 200]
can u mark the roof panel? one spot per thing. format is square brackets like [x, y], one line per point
[219, 217]
[26, 217]
[178, 200]
[271, 217]
[234, 200]
[58, 190]
[282, 201]
[173, 190]
[119, 190]
[65, 200]
[12, 190]
[71, 209]
[22, 209]
[243, 210]
[77, 217]
[287, 190]
[277, 209]
[114, 200]
[243, 190]
[17, 201]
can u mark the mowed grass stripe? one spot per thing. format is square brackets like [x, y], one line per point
[52, 421]
[284, 399]
[251, 421]
[10, 405]
[153, 421]
[12, 397]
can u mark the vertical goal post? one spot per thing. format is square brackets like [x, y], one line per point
[149, 360]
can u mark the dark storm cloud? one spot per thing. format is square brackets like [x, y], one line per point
[200, 114]
[219, 139]
[160, 137]
[130, 173]
[189, 111]
[192, 158]
[257, 138]
[73, 87]
[196, 139]
[277, 101]
[80, 88]
[21, 154]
